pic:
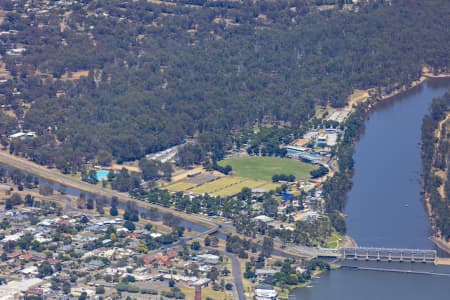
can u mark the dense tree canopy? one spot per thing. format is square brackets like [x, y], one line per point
[158, 73]
[435, 158]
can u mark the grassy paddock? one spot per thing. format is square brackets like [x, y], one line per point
[333, 240]
[217, 185]
[263, 168]
[225, 186]
[237, 188]
[230, 185]
[180, 186]
[207, 292]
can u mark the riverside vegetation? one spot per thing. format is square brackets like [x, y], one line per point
[435, 159]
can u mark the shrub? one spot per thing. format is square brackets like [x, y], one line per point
[149, 291]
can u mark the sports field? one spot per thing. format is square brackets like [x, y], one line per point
[263, 168]
[225, 186]
[180, 186]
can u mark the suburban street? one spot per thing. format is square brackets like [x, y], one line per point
[237, 274]
[54, 175]
[213, 226]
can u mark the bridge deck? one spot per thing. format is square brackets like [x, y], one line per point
[389, 254]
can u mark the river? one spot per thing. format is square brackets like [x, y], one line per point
[384, 206]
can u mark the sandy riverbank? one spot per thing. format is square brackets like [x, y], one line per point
[426, 71]
[441, 243]
[348, 242]
[361, 96]
[426, 74]
[404, 88]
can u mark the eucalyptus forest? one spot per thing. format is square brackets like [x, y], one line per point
[155, 73]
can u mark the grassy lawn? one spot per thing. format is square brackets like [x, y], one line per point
[269, 186]
[229, 186]
[263, 168]
[333, 240]
[76, 176]
[217, 185]
[180, 186]
[237, 188]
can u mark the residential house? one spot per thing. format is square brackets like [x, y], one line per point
[209, 258]
[264, 274]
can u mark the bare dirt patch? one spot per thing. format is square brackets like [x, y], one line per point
[4, 73]
[357, 97]
[75, 75]
[131, 167]
[203, 178]
[2, 16]
[181, 174]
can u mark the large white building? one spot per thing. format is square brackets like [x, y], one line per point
[265, 292]
[209, 258]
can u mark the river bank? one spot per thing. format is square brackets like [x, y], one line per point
[362, 96]
[441, 243]
[438, 237]
[283, 293]
[426, 74]
[348, 242]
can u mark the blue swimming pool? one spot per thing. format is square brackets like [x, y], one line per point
[101, 174]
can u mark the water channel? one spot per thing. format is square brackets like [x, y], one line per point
[384, 206]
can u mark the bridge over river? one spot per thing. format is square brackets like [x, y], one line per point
[380, 254]
[389, 254]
